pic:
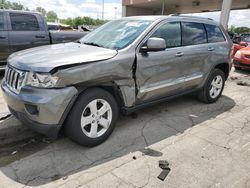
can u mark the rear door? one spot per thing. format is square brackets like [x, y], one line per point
[196, 52]
[4, 40]
[27, 31]
[160, 74]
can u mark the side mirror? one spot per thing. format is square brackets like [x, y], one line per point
[154, 44]
[243, 43]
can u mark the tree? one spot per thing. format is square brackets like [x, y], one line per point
[240, 30]
[41, 10]
[9, 5]
[231, 29]
[51, 16]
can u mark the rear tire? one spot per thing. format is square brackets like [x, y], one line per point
[93, 117]
[213, 87]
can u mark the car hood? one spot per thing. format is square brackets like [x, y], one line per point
[46, 58]
[246, 50]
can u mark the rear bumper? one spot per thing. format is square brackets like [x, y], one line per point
[43, 110]
[239, 64]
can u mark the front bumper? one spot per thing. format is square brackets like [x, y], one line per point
[240, 64]
[43, 110]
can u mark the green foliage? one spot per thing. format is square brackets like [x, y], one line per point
[41, 10]
[239, 30]
[9, 5]
[75, 22]
[51, 16]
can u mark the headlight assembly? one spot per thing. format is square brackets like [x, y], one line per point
[41, 80]
[238, 54]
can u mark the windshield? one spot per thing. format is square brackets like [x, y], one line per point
[116, 34]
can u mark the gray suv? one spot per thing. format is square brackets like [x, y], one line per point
[82, 87]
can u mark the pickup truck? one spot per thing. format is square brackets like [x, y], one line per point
[20, 30]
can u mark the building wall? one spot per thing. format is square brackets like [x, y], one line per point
[133, 11]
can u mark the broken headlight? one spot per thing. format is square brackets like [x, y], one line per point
[41, 80]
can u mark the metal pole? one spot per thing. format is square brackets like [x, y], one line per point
[163, 7]
[102, 9]
[225, 13]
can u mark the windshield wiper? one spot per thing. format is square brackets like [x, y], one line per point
[93, 44]
[78, 41]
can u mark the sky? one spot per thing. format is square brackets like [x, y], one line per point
[113, 10]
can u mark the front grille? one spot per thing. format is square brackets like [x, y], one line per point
[14, 79]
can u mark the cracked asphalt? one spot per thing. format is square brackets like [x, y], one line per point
[206, 146]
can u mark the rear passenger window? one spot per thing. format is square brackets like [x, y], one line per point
[214, 33]
[24, 22]
[193, 33]
[171, 33]
[1, 22]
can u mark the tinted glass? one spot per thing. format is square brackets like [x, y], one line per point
[214, 33]
[193, 33]
[171, 33]
[24, 22]
[1, 22]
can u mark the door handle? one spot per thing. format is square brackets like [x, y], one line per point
[40, 36]
[210, 49]
[179, 54]
[1, 37]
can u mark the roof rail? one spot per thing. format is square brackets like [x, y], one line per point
[186, 16]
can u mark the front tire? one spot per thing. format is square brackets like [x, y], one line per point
[213, 87]
[93, 117]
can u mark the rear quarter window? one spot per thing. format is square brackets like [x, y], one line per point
[193, 33]
[24, 22]
[214, 33]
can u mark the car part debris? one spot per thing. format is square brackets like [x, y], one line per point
[242, 83]
[193, 116]
[4, 115]
[234, 78]
[14, 152]
[65, 177]
[151, 152]
[164, 165]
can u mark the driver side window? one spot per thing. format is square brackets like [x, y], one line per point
[170, 32]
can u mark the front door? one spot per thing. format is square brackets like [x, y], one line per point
[160, 74]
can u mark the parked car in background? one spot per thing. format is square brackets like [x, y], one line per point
[242, 59]
[242, 43]
[122, 66]
[240, 53]
[21, 30]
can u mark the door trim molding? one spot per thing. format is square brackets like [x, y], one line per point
[164, 84]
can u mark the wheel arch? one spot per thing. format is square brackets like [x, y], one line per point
[224, 67]
[110, 87]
